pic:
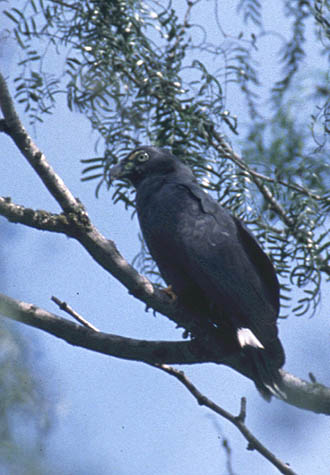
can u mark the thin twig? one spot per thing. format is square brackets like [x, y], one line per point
[66, 308]
[242, 412]
[238, 421]
[63, 4]
[228, 152]
[223, 148]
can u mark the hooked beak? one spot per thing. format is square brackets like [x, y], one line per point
[116, 172]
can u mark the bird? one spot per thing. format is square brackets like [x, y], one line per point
[209, 259]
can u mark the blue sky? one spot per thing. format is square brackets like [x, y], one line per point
[126, 418]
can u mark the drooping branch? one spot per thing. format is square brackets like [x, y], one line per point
[238, 421]
[225, 150]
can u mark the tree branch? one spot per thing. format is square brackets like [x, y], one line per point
[311, 396]
[105, 343]
[38, 219]
[66, 308]
[225, 150]
[238, 421]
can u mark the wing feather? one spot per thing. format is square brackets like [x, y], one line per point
[229, 265]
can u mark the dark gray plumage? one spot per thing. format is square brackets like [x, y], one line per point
[209, 258]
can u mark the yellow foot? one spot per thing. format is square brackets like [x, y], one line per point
[169, 292]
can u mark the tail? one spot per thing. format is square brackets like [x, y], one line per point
[264, 363]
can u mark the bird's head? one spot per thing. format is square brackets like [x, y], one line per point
[146, 161]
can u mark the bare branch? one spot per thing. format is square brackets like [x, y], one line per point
[38, 219]
[105, 343]
[242, 412]
[238, 421]
[103, 251]
[66, 308]
[300, 393]
[311, 396]
[146, 351]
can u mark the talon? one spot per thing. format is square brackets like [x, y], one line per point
[169, 292]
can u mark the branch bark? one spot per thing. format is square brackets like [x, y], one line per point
[305, 395]
[105, 343]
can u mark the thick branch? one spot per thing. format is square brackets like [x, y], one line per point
[113, 345]
[299, 393]
[101, 249]
[311, 396]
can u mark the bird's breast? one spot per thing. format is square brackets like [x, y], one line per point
[165, 210]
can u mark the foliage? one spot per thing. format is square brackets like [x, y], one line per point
[148, 72]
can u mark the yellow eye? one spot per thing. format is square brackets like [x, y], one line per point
[143, 157]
